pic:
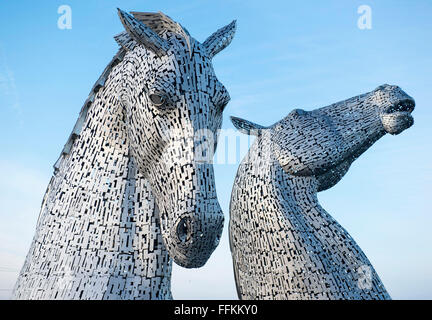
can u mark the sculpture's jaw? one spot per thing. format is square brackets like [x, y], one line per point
[397, 117]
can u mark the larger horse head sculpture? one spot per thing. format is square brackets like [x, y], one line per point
[134, 185]
[174, 104]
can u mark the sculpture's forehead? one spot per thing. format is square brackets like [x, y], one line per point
[189, 56]
[388, 94]
[187, 69]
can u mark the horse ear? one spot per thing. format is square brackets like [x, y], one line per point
[143, 34]
[220, 39]
[247, 127]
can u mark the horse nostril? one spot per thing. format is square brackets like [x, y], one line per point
[184, 230]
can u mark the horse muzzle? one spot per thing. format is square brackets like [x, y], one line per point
[397, 117]
[195, 235]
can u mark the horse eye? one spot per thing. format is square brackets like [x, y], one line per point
[158, 99]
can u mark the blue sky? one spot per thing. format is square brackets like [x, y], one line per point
[285, 55]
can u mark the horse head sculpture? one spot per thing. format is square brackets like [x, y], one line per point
[174, 104]
[284, 244]
[133, 188]
[324, 142]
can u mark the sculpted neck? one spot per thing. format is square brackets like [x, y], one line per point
[98, 223]
[141, 267]
[299, 193]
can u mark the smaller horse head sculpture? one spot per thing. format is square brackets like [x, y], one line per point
[306, 253]
[173, 107]
[324, 142]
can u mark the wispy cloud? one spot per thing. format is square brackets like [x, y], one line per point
[10, 265]
[21, 192]
[9, 96]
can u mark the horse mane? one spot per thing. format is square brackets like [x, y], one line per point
[159, 23]
[100, 83]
